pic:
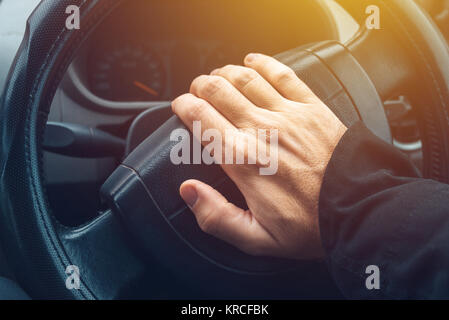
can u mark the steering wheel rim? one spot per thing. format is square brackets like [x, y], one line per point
[417, 67]
[25, 105]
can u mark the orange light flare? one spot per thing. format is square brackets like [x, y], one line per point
[146, 88]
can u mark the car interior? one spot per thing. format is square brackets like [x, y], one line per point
[116, 80]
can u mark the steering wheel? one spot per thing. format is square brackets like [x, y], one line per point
[148, 245]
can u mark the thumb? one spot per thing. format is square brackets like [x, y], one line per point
[222, 219]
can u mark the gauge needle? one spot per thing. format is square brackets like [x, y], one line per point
[145, 88]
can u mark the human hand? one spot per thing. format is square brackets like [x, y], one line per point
[282, 219]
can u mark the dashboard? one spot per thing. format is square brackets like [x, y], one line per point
[139, 56]
[145, 54]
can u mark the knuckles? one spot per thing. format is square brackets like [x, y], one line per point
[241, 76]
[207, 86]
[196, 109]
[188, 107]
[284, 76]
[178, 104]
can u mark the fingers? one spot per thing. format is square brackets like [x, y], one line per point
[252, 85]
[219, 218]
[190, 108]
[281, 77]
[225, 98]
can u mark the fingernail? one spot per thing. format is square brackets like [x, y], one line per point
[251, 57]
[189, 195]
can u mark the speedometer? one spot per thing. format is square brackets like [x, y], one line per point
[129, 73]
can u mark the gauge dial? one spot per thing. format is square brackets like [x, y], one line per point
[130, 74]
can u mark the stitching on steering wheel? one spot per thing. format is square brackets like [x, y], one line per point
[430, 70]
[60, 252]
[426, 62]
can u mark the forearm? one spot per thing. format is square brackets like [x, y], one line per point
[376, 210]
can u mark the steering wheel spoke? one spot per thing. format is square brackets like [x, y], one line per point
[385, 60]
[102, 256]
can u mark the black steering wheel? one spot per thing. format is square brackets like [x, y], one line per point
[148, 244]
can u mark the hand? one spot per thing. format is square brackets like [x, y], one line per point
[282, 219]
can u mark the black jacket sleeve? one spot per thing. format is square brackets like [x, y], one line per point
[376, 210]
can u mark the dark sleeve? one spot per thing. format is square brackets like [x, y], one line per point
[376, 210]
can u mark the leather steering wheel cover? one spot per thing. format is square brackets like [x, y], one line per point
[428, 47]
[28, 228]
[434, 54]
